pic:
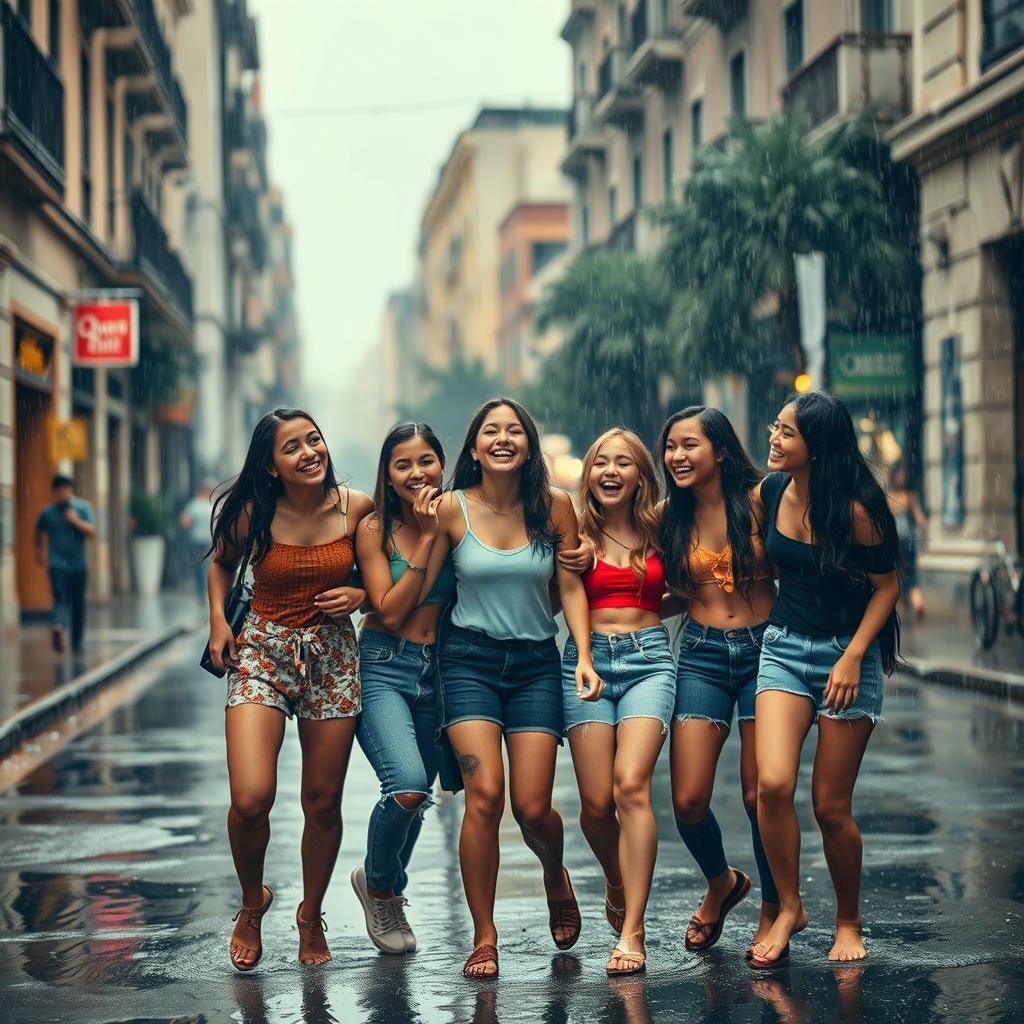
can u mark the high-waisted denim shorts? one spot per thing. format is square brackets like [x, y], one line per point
[516, 683]
[717, 672]
[638, 675]
[801, 664]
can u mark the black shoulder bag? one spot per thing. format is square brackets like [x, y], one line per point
[236, 607]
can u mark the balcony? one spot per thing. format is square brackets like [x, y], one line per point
[245, 224]
[581, 17]
[585, 138]
[657, 57]
[163, 273]
[623, 236]
[239, 29]
[620, 102]
[723, 13]
[31, 109]
[855, 71]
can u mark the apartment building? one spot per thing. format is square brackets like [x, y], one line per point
[654, 80]
[965, 136]
[507, 157]
[112, 176]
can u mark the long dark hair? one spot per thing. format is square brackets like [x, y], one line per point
[386, 502]
[739, 476]
[839, 476]
[255, 485]
[534, 482]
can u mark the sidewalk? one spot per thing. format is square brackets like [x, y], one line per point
[32, 670]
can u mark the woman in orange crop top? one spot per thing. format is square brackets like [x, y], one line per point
[715, 560]
[295, 655]
[615, 740]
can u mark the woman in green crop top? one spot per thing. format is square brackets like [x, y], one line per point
[398, 666]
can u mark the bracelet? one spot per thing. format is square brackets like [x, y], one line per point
[419, 569]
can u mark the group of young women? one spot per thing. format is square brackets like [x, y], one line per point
[457, 652]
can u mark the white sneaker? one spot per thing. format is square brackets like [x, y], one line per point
[398, 904]
[381, 925]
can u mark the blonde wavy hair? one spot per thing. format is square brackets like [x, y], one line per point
[645, 507]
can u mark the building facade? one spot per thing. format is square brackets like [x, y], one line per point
[965, 136]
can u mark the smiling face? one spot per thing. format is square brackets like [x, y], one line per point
[614, 476]
[788, 452]
[689, 455]
[501, 444]
[412, 466]
[300, 454]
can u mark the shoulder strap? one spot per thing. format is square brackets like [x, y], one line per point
[394, 546]
[344, 510]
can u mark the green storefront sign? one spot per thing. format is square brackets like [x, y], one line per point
[870, 365]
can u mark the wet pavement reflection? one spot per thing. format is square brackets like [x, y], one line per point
[116, 890]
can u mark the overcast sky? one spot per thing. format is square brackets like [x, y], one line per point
[364, 100]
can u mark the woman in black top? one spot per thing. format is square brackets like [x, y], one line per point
[832, 633]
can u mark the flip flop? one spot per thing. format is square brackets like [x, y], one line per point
[481, 955]
[711, 931]
[615, 916]
[635, 958]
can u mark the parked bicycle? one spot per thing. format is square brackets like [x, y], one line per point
[997, 597]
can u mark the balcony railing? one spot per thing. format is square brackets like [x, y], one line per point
[858, 69]
[723, 13]
[585, 137]
[245, 221]
[620, 101]
[657, 54]
[156, 260]
[160, 54]
[32, 99]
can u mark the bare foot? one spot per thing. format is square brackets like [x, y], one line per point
[312, 942]
[849, 946]
[769, 912]
[774, 945]
[246, 946]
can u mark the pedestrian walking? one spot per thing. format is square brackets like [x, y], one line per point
[398, 669]
[832, 633]
[911, 524]
[615, 740]
[195, 521]
[296, 656]
[62, 529]
[715, 559]
[500, 667]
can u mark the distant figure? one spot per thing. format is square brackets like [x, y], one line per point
[195, 520]
[911, 523]
[61, 532]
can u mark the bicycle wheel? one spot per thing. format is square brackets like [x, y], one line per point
[984, 608]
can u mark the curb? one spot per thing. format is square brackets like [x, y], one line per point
[33, 718]
[1005, 685]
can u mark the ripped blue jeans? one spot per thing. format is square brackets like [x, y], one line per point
[396, 732]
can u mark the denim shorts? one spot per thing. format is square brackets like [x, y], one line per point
[801, 664]
[638, 674]
[717, 672]
[515, 683]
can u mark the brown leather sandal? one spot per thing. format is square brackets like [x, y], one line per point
[481, 955]
[253, 917]
[314, 928]
[564, 915]
[711, 931]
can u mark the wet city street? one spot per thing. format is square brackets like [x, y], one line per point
[116, 889]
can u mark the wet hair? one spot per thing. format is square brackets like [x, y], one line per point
[739, 476]
[839, 477]
[386, 502]
[534, 482]
[60, 480]
[644, 508]
[255, 491]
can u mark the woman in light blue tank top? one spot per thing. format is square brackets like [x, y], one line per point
[398, 669]
[500, 667]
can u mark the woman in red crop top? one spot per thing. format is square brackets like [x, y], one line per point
[615, 740]
[715, 560]
[296, 655]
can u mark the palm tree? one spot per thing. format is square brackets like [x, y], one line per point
[613, 307]
[772, 192]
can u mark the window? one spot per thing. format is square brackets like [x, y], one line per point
[111, 194]
[86, 104]
[621, 24]
[793, 30]
[876, 15]
[1003, 29]
[613, 205]
[738, 84]
[542, 253]
[638, 177]
[25, 11]
[55, 31]
[666, 162]
[696, 128]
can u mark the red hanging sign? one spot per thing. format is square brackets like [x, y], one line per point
[106, 333]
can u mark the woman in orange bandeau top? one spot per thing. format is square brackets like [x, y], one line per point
[296, 655]
[714, 559]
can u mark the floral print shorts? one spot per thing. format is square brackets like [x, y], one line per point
[310, 673]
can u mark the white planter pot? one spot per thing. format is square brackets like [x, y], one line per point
[148, 557]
